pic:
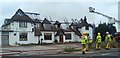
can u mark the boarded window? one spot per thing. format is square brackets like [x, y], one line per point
[23, 37]
[87, 28]
[47, 36]
[23, 24]
[68, 36]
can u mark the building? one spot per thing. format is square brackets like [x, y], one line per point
[24, 29]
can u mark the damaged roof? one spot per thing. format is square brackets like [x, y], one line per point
[45, 21]
[19, 16]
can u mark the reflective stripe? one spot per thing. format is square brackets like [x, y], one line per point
[83, 41]
[90, 41]
[108, 38]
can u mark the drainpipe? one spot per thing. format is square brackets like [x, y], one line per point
[41, 40]
[38, 40]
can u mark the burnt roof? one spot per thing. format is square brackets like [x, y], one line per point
[82, 24]
[49, 27]
[32, 13]
[19, 16]
[57, 23]
[60, 32]
[36, 21]
[73, 24]
[77, 32]
[45, 21]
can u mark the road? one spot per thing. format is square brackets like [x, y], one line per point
[112, 53]
[103, 52]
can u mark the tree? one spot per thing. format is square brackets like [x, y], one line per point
[103, 28]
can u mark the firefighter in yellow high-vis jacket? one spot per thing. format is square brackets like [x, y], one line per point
[108, 40]
[84, 42]
[98, 41]
[87, 42]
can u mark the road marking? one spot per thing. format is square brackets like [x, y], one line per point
[105, 54]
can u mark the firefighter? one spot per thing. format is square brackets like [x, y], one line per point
[87, 42]
[83, 42]
[98, 41]
[108, 40]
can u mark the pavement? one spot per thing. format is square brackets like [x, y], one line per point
[50, 50]
[35, 50]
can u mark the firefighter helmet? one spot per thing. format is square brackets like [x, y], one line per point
[98, 33]
[107, 32]
[84, 33]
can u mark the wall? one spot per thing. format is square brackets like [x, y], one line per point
[15, 26]
[15, 39]
[90, 31]
[76, 37]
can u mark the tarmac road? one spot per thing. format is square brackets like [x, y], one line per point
[103, 52]
[112, 53]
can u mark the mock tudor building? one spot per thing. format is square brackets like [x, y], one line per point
[21, 28]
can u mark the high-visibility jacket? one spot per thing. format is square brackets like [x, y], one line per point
[90, 40]
[108, 38]
[84, 40]
[99, 39]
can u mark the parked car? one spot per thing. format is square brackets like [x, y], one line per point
[117, 36]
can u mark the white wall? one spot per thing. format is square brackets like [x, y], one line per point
[76, 37]
[90, 31]
[15, 39]
[32, 38]
[15, 26]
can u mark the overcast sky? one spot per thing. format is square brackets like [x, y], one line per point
[59, 10]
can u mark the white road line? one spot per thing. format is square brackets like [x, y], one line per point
[105, 54]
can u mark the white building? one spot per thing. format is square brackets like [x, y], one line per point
[23, 29]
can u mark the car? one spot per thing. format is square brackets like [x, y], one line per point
[117, 36]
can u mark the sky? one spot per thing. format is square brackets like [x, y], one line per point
[61, 9]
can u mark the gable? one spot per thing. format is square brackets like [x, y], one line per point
[21, 16]
[45, 21]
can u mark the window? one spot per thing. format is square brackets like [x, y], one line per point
[67, 36]
[12, 23]
[23, 24]
[87, 28]
[23, 37]
[47, 36]
[37, 25]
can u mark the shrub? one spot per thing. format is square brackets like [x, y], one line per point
[69, 49]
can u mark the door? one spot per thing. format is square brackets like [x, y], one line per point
[5, 40]
[61, 39]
